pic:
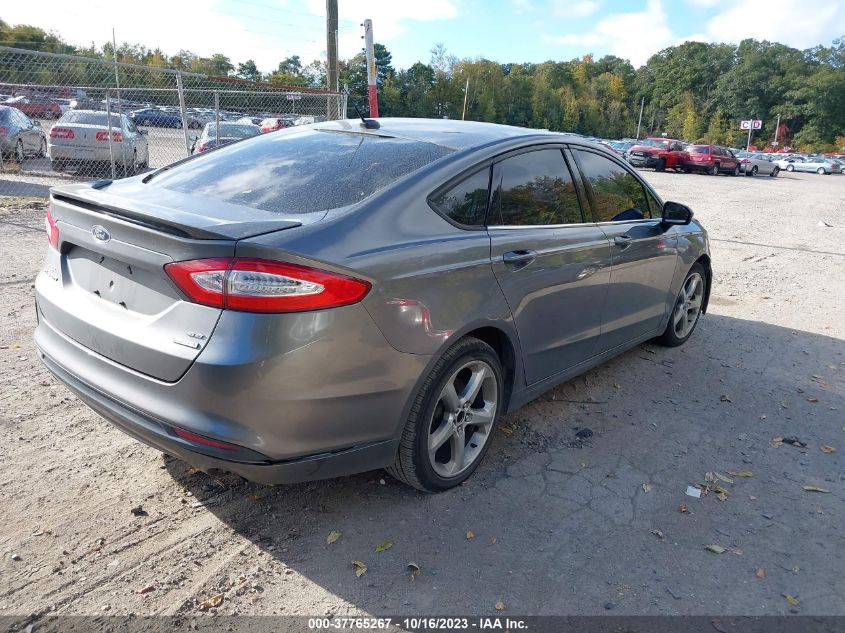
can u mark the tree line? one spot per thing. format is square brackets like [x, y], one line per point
[694, 91]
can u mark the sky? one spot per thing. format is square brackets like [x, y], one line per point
[267, 31]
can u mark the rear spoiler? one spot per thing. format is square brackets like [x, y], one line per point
[170, 220]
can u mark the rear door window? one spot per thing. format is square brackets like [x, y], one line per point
[300, 170]
[534, 189]
[617, 195]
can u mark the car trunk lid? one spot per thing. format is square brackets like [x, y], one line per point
[106, 287]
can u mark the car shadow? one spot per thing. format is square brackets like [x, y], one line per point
[554, 524]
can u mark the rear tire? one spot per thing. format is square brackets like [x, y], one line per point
[820, 171]
[687, 308]
[790, 168]
[714, 170]
[19, 153]
[661, 165]
[440, 446]
[42, 149]
[775, 172]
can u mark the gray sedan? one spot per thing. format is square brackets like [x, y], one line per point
[752, 164]
[20, 136]
[349, 295]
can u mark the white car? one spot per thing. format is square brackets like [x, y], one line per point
[80, 140]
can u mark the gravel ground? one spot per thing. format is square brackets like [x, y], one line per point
[548, 525]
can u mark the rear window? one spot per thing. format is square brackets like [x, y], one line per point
[699, 149]
[89, 118]
[5, 115]
[300, 170]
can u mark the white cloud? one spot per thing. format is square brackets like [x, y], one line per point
[575, 9]
[239, 31]
[707, 4]
[797, 24]
[635, 36]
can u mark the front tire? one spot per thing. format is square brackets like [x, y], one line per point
[790, 168]
[661, 165]
[735, 171]
[820, 171]
[452, 420]
[775, 172]
[687, 310]
[714, 170]
[20, 156]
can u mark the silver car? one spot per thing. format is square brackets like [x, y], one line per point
[815, 164]
[20, 136]
[344, 296]
[80, 140]
[752, 164]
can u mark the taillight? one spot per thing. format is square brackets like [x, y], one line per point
[116, 137]
[4, 131]
[259, 285]
[61, 132]
[745, 161]
[52, 230]
[202, 148]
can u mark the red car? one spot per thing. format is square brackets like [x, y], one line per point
[36, 108]
[274, 123]
[659, 153]
[712, 159]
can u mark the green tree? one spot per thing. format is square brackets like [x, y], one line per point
[248, 70]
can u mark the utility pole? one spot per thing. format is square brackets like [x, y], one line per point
[331, 51]
[777, 128]
[372, 89]
[640, 122]
[116, 78]
[750, 128]
[466, 93]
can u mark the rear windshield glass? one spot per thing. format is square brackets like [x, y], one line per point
[79, 117]
[300, 170]
[699, 149]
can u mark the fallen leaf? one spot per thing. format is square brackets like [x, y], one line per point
[210, 603]
[827, 449]
[360, 568]
[414, 569]
[794, 441]
[493, 541]
[659, 534]
[760, 573]
[146, 589]
[332, 537]
[776, 441]
[506, 430]
[683, 508]
[616, 385]
[500, 606]
[646, 488]
[384, 546]
[812, 399]
[741, 473]
[716, 549]
[470, 535]
[721, 477]
[722, 496]
[814, 489]
[791, 599]
[138, 511]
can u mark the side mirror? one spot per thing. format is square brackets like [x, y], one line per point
[676, 214]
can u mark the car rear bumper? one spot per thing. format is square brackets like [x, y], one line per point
[303, 413]
[81, 154]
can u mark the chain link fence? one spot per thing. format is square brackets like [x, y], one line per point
[65, 118]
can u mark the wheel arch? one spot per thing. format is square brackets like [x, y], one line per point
[504, 348]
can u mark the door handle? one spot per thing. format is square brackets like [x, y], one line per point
[623, 241]
[519, 258]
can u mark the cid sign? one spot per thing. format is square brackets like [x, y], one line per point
[753, 124]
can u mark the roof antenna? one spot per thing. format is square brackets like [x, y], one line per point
[370, 124]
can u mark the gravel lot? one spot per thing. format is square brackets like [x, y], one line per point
[559, 526]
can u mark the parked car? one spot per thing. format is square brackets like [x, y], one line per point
[621, 147]
[752, 164]
[290, 311]
[20, 136]
[36, 108]
[275, 123]
[156, 117]
[80, 140]
[254, 120]
[808, 164]
[229, 133]
[711, 159]
[659, 153]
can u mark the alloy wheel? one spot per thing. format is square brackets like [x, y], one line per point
[462, 421]
[688, 307]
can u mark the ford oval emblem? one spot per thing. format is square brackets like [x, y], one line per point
[100, 233]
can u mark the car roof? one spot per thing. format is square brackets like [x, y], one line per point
[458, 135]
